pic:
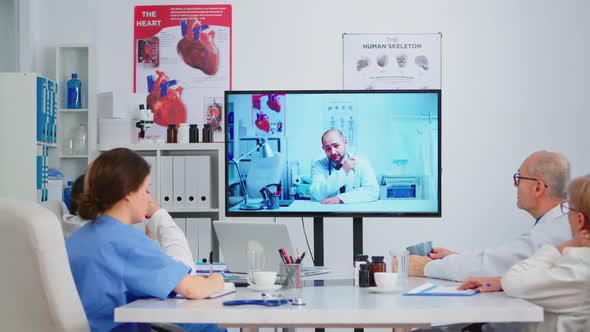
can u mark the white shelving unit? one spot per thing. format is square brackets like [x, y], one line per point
[75, 59]
[20, 148]
[195, 222]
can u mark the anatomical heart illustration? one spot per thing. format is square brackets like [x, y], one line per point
[184, 51]
[165, 101]
[268, 114]
[197, 48]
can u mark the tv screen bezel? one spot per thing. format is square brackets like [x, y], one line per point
[278, 213]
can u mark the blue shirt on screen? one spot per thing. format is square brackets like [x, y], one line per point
[114, 264]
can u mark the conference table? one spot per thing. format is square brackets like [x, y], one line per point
[336, 303]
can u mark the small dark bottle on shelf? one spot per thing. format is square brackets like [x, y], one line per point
[364, 275]
[207, 133]
[172, 134]
[377, 265]
[194, 133]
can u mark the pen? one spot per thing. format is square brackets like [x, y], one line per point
[487, 284]
[300, 259]
[282, 256]
[287, 259]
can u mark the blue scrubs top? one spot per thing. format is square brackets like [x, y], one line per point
[114, 264]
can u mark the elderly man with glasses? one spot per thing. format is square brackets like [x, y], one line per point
[541, 184]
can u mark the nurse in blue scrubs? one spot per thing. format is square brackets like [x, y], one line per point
[114, 263]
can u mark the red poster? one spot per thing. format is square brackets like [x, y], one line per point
[182, 63]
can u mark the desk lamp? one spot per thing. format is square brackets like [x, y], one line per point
[266, 153]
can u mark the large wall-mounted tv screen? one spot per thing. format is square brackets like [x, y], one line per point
[333, 153]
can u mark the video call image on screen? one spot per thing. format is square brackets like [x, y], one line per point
[333, 152]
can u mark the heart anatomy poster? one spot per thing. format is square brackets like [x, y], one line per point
[182, 57]
[392, 61]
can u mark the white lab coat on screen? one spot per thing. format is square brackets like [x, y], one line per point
[360, 183]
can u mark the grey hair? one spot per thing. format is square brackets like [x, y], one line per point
[554, 169]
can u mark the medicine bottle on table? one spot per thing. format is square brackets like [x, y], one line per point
[359, 259]
[377, 265]
[364, 275]
[171, 134]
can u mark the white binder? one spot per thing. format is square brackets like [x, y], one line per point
[203, 232]
[178, 186]
[192, 174]
[166, 184]
[153, 176]
[203, 182]
[181, 223]
[192, 236]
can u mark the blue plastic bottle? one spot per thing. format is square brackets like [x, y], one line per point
[74, 92]
[68, 195]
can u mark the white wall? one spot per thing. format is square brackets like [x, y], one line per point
[9, 36]
[514, 81]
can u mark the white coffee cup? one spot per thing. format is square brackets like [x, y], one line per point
[263, 279]
[386, 280]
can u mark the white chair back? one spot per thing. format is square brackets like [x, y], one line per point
[38, 291]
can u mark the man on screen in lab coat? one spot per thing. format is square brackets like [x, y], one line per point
[342, 178]
[541, 183]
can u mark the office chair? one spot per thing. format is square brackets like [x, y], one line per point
[264, 173]
[38, 290]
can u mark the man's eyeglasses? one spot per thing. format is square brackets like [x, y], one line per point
[517, 177]
[565, 207]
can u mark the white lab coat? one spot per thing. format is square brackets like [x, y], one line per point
[170, 237]
[558, 283]
[361, 183]
[553, 228]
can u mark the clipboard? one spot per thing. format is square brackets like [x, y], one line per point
[228, 288]
[429, 289]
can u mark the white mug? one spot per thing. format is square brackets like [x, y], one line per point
[263, 279]
[386, 280]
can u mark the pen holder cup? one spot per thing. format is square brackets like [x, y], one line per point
[290, 275]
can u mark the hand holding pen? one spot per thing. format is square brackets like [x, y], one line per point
[484, 285]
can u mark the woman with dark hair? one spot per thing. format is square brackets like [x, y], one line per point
[114, 263]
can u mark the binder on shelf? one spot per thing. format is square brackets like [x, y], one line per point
[191, 176]
[166, 191]
[203, 226]
[192, 236]
[181, 223]
[203, 182]
[178, 186]
[41, 87]
[153, 175]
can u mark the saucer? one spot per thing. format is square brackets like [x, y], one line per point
[264, 289]
[385, 290]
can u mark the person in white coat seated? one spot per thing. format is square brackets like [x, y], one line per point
[341, 178]
[556, 278]
[541, 184]
[160, 227]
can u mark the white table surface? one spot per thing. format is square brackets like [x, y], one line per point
[337, 306]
